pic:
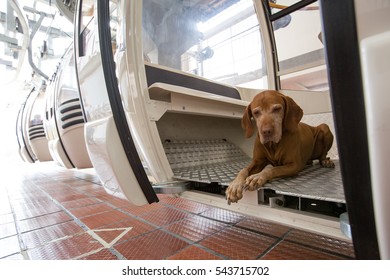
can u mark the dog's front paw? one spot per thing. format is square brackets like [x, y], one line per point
[328, 163]
[254, 182]
[234, 191]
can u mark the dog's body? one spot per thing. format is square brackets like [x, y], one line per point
[282, 141]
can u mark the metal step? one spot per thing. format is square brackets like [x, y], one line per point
[219, 161]
[314, 182]
[205, 161]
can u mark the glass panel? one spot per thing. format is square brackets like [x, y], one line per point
[113, 24]
[67, 82]
[313, 79]
[86, 27]
[87, 9]
[300, 51]
[38, 108]
[215, 39]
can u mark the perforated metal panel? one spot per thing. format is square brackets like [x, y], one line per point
[205, 161]
[314, 182]
[219, 161]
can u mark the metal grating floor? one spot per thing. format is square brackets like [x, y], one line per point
[314, 182]
[219, 161]
[205, 161]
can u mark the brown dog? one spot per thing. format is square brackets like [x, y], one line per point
[282, 141]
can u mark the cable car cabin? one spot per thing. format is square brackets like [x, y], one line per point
[31, 135]
[64, 118]
[25, 151]
[164, 114]
[164, 84]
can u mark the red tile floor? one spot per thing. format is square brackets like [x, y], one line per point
[47, 212]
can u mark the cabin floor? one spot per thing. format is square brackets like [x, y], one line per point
[48, 212]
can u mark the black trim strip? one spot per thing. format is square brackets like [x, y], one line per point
[290, 9]
[72, 115]
[36, 127]
[70, 108]
[38, 136]
[78, 50]
[18, 124]
[36, 133]
[70, 101]
[116, 102]
[78, 19]
[346, 88]
[156, 75]
[72, 123]
[60, 139]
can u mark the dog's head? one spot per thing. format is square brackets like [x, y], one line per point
[273, 113]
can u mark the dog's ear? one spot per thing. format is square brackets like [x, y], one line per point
[246, 122]
[292, 115]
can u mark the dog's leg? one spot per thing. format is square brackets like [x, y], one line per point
[322, 146]
[235, 190]
[258, 180]
[328, 163]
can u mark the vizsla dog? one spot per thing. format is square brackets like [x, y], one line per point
[283, 143]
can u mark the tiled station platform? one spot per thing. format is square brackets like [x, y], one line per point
[47, 212]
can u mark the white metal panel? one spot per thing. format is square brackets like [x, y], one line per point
[110, 161]
[134, 91]
[375, 56]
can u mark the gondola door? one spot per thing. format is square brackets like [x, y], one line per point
[109, 141]
[357, 40]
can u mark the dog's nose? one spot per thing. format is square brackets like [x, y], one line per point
[266, 131]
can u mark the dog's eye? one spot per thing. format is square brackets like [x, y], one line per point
[276, 109]
[256, 112]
